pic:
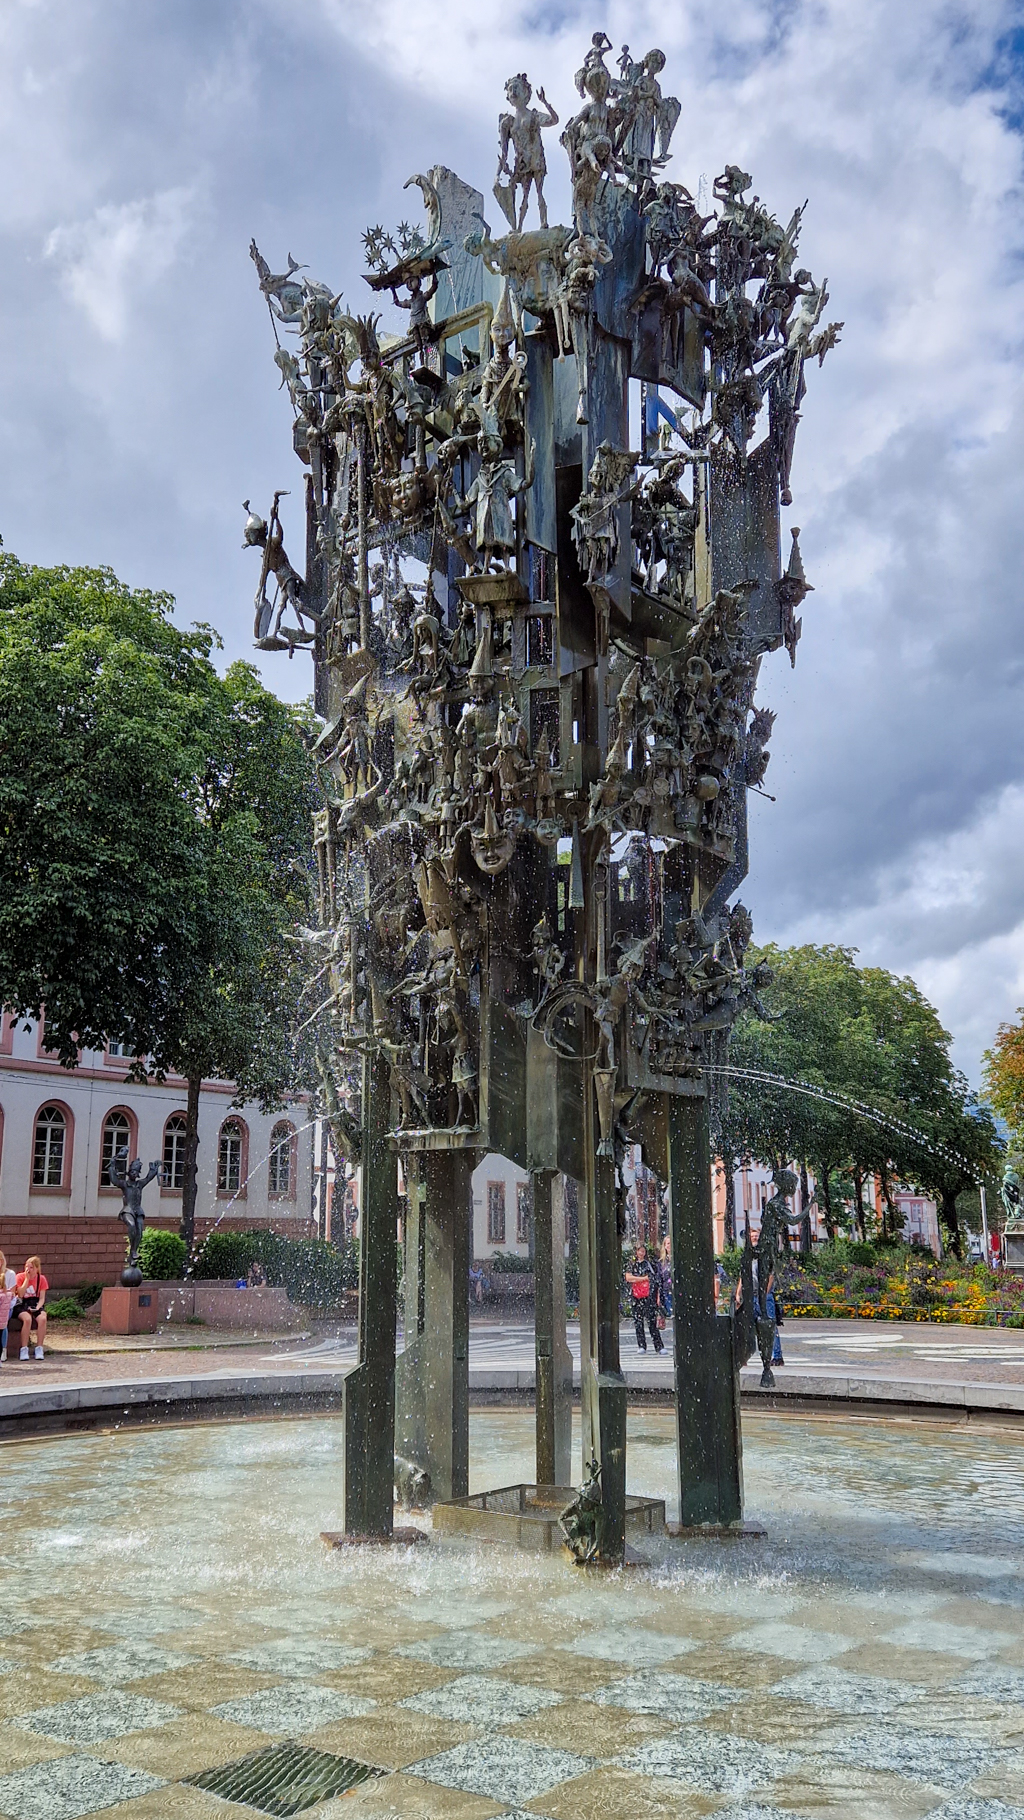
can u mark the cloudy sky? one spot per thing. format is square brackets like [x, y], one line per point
[145, 141]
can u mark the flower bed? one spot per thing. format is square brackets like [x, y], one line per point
[896, 1283]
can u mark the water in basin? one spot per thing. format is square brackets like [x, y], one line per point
[168, 1606]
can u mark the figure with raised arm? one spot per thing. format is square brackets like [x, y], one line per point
[519, 133]
[131, 1182]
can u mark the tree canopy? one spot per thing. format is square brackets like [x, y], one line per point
[871, 1039]
[1004, 1075]
[154, 827]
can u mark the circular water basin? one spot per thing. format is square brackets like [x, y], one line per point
[169, 1609]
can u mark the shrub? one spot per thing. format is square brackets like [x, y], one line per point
[312, 1271]
[74, 1304]
[860, 1253]
[509, 1263]
[162, 1255]
[228, 1254]
[65, 1308]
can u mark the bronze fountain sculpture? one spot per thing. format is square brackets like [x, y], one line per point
[537, 754]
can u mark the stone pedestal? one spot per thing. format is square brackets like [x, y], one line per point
[130, 1310]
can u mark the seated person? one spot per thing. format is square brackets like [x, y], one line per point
[30, 1307]
[8, 1279]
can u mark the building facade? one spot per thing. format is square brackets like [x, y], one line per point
[60, 1128]
[501, 1209]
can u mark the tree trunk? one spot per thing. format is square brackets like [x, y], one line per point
[951, 1220]
[890, 1218]
[730, 1206]
[805, 1212]
[190, 1182]
[825, 1191]
[858, 1218]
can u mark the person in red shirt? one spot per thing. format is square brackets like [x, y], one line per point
[30, 1308]
[643, 1279]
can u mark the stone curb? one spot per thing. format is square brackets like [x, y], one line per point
[194, 1397]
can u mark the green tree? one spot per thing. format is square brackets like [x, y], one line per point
[814, 1037]
[153, 833]
[1004, 1075]
[871, 1038]
[965, 1149]
[101, 704]
[236, 1015]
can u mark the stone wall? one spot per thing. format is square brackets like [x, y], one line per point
[92, 1250]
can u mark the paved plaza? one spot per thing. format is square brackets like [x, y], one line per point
[500, 1350]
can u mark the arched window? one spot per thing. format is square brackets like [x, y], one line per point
[50, 1148]
[174, 1153]
[117, 1142]
[280, 1170]
[229, 1157]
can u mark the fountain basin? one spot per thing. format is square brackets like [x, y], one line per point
[863, 1656]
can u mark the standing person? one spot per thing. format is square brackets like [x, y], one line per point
[30, 1307]
[644, 1279]
[8, 1280]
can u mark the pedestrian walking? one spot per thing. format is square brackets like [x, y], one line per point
[643, 1279]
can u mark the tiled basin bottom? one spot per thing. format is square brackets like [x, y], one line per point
[167, 1608]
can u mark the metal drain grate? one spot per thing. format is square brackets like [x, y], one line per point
[284, 1778]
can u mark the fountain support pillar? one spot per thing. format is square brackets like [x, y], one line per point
[370, 1387]
[432, 1422]
[553, 1358]
[707, 1378]
[603, 1387]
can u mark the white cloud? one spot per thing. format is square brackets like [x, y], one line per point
[122, 250]
[899, 749]
[950, 910]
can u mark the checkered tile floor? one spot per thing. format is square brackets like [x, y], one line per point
[167, 1609]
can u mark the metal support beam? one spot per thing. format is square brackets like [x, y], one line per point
[554, 1360]
[603, 1386]
[369, 1445]
[432, 1423]
[707, 1383]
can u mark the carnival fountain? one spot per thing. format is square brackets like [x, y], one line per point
[536, 757]
[543, 562]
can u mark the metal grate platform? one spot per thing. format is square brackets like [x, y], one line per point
[528, 1515]
[284, 1778]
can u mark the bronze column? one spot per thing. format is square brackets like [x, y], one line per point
[370, 1388]
[707, 1381]
[553, 1358]
[432, 1424]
